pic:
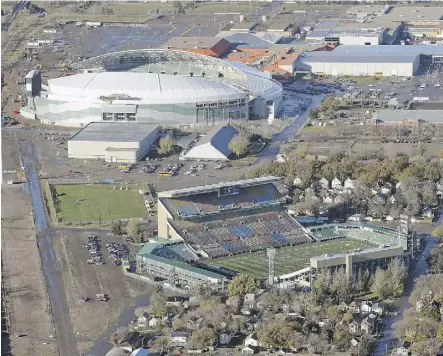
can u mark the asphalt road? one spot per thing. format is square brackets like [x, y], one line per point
[402, 303]
[51, 269]
[17, 7]
[273, 148]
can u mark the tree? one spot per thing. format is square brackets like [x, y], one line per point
[341, 286]
[396, 274]
[414, 328]
[133, 227]
[241, 285]
[438, 232]
[380, 285]
[117, 228]
[165, 145]
[163, 343]
[113, 339]
[276, 334]
[202, 338]
[158, 304]
[239, 144]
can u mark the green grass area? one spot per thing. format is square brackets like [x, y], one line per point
[98, 202]
[288, 259]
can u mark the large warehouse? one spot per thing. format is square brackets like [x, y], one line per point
[381, 61]
[114, 141]
[160, 86]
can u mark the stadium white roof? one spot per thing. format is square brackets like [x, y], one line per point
[149, 87]
[215, 187]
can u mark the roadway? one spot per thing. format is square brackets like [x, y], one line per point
[52, 271]
[402, 303]
[17, 7]
[273, 148]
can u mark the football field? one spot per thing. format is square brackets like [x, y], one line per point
[287, 259]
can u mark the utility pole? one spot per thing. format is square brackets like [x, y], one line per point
[271, 258]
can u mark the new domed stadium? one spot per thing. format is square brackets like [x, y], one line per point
[158, 86]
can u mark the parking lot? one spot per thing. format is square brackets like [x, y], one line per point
[83, 280]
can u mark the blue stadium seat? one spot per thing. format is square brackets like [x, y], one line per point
[187, 210]
[241, 230]
[279, 237]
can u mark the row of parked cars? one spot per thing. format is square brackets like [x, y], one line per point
[116, 252]
[93, 247]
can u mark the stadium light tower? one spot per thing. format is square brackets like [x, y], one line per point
[271, 258]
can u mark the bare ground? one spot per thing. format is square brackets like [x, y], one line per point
[25, 281]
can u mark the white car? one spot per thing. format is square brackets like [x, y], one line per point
[438, 85]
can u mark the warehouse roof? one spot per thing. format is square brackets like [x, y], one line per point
[114, 132]
[192, 42]
[245, 25]
[372, 54]
[279, 26]
[388, 115]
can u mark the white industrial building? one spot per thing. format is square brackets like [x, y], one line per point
[214, 146]
[113, 142]
[381, 61]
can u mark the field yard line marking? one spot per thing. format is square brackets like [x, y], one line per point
[188, 30]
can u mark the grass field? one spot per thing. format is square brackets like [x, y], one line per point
[288, 259]
[98, 202]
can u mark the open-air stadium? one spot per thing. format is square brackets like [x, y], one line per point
[231, 226]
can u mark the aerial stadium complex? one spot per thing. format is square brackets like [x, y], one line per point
[158, 86]
[210, 233]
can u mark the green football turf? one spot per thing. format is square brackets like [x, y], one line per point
[98, 202]
[287, 259]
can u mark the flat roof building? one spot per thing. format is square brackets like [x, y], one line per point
[210, 46]
[408, 117]
[114, 142]
[244, 26]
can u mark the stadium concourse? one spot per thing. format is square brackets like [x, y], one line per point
[207, 233]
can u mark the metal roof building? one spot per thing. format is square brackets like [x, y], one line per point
[371, 60]
[210, 46]
[214, 145]
[388, 116]
[167, 87]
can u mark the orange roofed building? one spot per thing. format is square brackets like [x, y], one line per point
[209, 46]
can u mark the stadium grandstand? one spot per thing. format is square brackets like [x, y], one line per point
[163, 86]
[227, 228]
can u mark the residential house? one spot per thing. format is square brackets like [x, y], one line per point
[402, 350]
[356, 217]
[192, 302]
[328, 199]
[154, 322]
[249, 300]
[378, 308]
[252, 340]
[251, 323]
[336, 183]
[142, 321]
[349, 183]
[195, 323]
[386, 190]
[224, 338]
[380, 199]
[366, 306]
[343, 307]
[175, 301]
[339, 199]
[180, 337]
[354, 307]
[369, 324]
[355, 325]
[428, 213]
[355, 342]
[298, 182]
[324, 183]
[248, 350]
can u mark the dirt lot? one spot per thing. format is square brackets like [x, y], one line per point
[11, 164]
[354, 147]
[90, 320]
[25, 280]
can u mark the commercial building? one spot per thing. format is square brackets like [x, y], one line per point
[407, 118]
[165, 87]
[370, 60]
[113, 142]
[214, 146]
[283, 28]
[209, 46]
